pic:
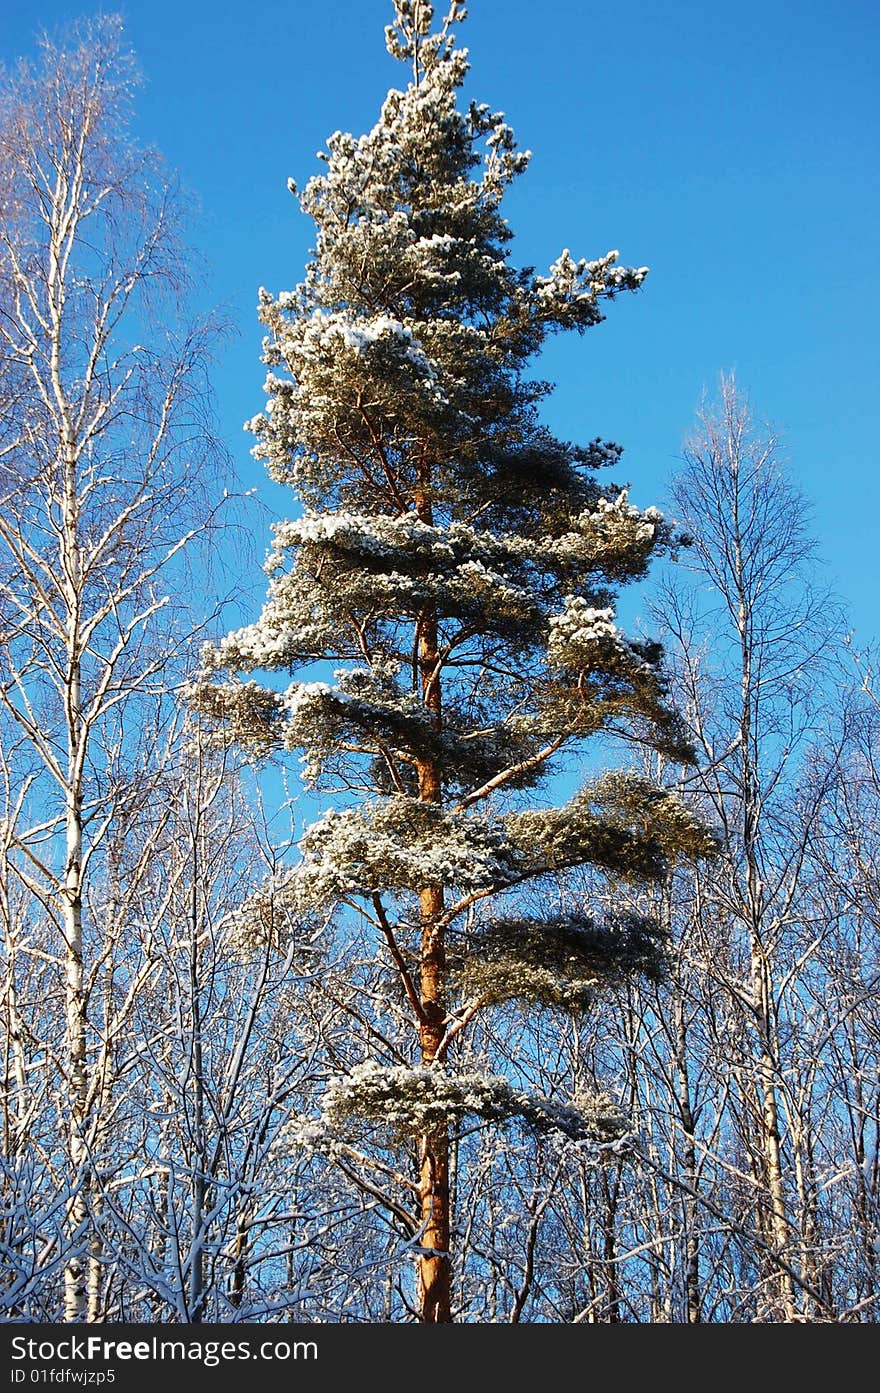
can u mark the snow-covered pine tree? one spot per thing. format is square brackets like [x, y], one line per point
[454, 568]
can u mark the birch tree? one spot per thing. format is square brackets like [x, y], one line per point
[101, 453]
[750, 642]
[447, 597]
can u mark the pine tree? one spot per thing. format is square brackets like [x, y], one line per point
[453, 577]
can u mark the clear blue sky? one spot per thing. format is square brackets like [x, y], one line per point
[731, 148]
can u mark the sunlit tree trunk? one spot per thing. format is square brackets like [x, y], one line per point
[435, 1265]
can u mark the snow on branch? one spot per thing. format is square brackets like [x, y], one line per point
[243, 712]
[585, 638]
[569, 297]
[558, 961]
[622, 823]
[401, 843]
[405, 1102]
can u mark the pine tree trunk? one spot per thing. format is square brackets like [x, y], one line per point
[435, 1266]
[434, 1271]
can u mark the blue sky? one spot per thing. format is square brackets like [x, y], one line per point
[732, 149]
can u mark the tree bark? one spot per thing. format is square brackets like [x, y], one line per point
[691, 1253]
[435, 1263]
[75, 1295]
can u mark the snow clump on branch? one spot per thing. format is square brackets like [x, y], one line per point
[405, 1102]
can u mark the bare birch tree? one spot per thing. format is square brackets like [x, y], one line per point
[754, 695]
[101, 447]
